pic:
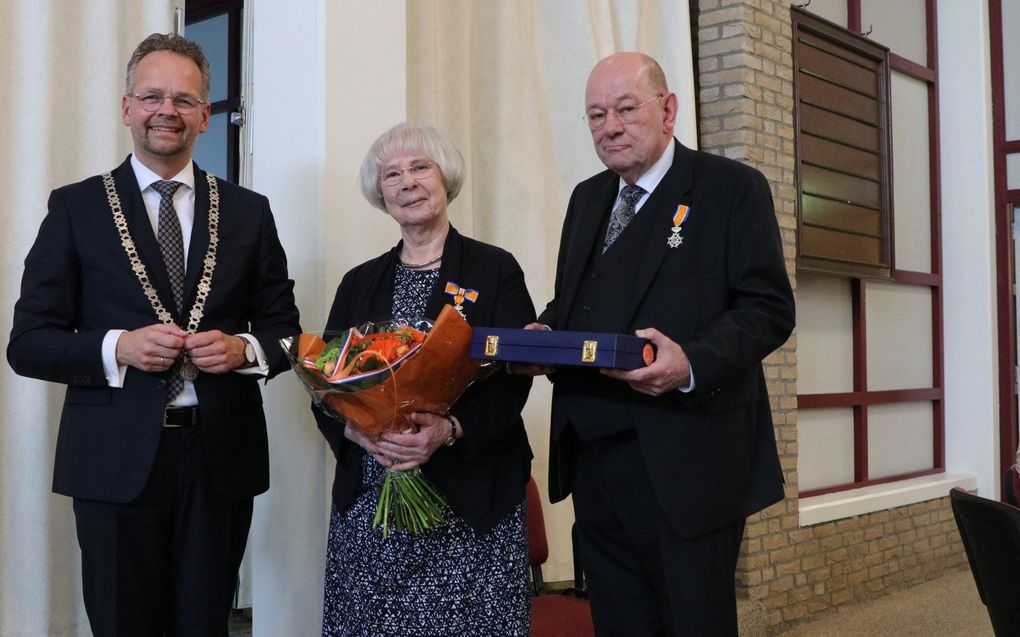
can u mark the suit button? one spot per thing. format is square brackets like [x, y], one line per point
[594, 275]
[587, 308]
[161, 384]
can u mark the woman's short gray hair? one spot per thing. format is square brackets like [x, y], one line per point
[413, 138]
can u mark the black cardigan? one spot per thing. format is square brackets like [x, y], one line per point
[483, 476]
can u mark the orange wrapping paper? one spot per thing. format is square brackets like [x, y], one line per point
[430, 380]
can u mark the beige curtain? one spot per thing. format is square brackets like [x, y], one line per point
[505, 80]
[60, 85]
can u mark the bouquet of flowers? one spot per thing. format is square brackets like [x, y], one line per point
[373, 377]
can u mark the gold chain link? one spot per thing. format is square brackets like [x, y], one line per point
[208, 264]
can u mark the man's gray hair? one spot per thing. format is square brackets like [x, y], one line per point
[174, 44]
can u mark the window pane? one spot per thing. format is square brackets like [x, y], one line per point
[211, 147]
[1013, 171]
[832, 10]
[899, 329]
[1011, 66]
[899, 439]
[825, 440]
[212, 35]
[824, 334]
[911, 176]
[899, 25]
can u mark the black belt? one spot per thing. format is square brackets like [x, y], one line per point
[181, 417]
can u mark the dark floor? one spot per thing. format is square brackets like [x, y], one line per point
[240, 623]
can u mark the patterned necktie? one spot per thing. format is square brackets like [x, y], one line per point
[171, 245]
[622, 214]
[171, 242]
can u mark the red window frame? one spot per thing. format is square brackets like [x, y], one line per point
[1005, 201]
[860, 399]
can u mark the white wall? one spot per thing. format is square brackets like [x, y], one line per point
[328, 78]
[968, 232]
[286, 116]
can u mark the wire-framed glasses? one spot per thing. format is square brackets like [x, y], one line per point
[417, 170]
[183, 103]
[627, 114]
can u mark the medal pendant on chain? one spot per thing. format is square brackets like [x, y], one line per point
[188, 370]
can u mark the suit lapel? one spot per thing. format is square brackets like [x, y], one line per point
[140, 228]
[674, 189]
[199, 239]
[585, 234]
[450, 270]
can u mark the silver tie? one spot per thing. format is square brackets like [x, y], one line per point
[622, 214]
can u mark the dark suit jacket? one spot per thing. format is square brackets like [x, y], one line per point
[78, 284]
[725, 297]
[483, 476]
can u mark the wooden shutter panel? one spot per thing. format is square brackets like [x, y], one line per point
[844, 204]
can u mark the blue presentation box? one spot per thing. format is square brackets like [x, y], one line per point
[561, 347]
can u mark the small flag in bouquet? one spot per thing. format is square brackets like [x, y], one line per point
[374, 377]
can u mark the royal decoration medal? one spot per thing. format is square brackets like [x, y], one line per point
[679, 217]
[460, 295]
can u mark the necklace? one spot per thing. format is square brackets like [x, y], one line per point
[188, 371]
[415, 266]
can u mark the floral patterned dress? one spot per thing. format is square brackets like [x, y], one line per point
[447, 581]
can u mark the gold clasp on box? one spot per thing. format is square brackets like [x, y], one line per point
[588, 351]
[491, 345]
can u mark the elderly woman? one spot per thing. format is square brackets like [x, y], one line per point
[468, 576]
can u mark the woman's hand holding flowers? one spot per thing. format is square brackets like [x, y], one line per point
[368, 445]
[412, 449]
[405, 498]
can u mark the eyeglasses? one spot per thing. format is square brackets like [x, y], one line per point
[627, 114]
[153, 101]
[418, 170]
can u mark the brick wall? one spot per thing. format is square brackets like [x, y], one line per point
[743, 51]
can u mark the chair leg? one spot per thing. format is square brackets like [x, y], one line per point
[537, 584]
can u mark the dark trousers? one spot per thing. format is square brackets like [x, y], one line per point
[643, 577]
[166, 563]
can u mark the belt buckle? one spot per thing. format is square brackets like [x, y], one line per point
[180, 410]
[166, 414]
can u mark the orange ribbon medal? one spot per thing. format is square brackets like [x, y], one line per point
[460, 295]
[680, 216]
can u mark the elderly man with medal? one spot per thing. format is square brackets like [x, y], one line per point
[155, 293]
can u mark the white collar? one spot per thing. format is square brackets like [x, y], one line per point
[146, 177]
[651, 178]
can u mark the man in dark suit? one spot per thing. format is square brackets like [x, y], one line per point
[156, 293]
[665, 462]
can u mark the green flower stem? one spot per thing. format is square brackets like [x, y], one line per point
[407, 499]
